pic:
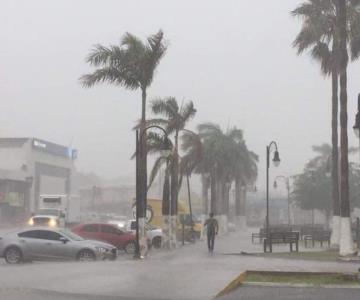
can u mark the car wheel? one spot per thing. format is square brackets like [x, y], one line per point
[86, 255]
[157, 242]
[130, 248]
[13, 255]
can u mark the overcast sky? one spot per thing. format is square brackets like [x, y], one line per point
[232, 58]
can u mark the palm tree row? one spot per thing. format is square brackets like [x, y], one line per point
[331, 31]
[219, 157]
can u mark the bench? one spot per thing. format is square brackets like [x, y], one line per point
[318, 236]
[285, 237]
[306, 230]
[258, 235]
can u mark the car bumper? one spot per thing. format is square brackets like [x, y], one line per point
[108, 255]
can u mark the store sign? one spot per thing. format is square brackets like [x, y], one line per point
[54, 149]
[39, 144]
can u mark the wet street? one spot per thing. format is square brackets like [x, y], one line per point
[187, 273]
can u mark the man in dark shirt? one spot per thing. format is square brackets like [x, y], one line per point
[212, 227]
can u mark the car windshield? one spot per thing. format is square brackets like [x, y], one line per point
[69, 234]
[150, 227]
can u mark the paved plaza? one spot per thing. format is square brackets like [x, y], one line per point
[186, 273]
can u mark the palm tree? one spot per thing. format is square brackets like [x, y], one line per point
[131, 65]
[226, 158]
[346, 241]
[166, 161]
[320, 34]
[245, 173]
[174, 119]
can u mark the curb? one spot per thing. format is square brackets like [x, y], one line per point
[233, 285]
[299, 285]
[239, 281]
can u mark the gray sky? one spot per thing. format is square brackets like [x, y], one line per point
[232, 58]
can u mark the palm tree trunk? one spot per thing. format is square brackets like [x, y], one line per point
[174, 194]
[143, 178]
[224, 206]
[166, 209]
[205, 189]
[335, 234]
[213, 181]
[237, 197]
[346, 242]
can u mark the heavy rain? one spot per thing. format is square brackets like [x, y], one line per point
[179, 150]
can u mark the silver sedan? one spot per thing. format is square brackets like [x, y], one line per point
[51, 244]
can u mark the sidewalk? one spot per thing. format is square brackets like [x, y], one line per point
[186, 273]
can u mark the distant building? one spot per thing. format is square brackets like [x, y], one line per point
[30, 167]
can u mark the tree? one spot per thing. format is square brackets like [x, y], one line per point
[155, 143]
[320, 33]
[226, 158]
[346, 241]
[174, 119]
[312, 186]
[131, 65]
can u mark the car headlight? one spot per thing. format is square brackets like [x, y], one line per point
[31, 222]
[101, 249]
[52, 223]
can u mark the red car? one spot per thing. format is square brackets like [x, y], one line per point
[107, 233]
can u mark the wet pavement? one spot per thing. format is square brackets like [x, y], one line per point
[186, 273]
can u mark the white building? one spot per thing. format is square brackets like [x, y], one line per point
[30, 167]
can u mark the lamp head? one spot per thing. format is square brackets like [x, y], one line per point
[356, 126]
[275, 184]
[276, 159]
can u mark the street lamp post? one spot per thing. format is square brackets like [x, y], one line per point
[141, 201]
[276, 161]
[287, 184]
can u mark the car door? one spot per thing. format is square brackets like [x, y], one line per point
[110, 234]
[40, 244]
[57, 246]
[89, 231]
[32, 244]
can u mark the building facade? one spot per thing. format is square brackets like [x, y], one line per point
[30, 167]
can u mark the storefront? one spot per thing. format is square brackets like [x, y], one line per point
[30, 167]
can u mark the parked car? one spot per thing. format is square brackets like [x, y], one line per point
[38, 243]
[107, 233]
[154, 234]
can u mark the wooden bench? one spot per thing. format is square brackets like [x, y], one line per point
[258, 235]
[318, 236]
[286, 237]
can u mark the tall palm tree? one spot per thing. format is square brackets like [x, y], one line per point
[174, 119]
[320, 34]
[131, 65]
[346, 241]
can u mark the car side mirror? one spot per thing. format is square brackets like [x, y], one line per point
[64, 240]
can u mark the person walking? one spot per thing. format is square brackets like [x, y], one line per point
[212, 227]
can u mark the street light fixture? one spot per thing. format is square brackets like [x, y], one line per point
[356, 126]
[287, 184]
[141, 203]
[276, 162]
